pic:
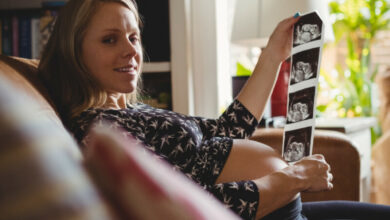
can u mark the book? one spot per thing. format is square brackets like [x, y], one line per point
[6, 36]
[15, 36]
[52, 4]
[46, 27]
[1, 38]
[35, 38]
[25, 37]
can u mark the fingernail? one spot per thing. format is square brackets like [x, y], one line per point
[296, 15]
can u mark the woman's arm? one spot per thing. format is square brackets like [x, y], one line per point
[236, 122]
[257, 90]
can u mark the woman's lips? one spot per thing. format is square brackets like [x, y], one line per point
[130, 70]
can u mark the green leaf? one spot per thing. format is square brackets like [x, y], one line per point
[321, 108]
[328, 79]
[339, 29]
[242, 70]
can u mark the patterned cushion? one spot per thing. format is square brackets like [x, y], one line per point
[143, 185]
[41, 176]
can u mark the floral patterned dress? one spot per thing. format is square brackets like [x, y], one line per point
[196, 146]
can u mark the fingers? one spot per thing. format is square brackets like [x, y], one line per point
[319, 156]
[280, 41]
[288, 22]
[330, 177]
[330, 185]
[318, 172]
[323, 165]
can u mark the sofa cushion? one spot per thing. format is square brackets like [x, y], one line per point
[143, 185]
[41, 175]
[23, 74]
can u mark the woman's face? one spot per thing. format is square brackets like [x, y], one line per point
[111, 48]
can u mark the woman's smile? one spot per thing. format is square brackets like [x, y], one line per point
[130, 69]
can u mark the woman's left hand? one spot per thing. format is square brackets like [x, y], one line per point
[257, 90]
[280, 42]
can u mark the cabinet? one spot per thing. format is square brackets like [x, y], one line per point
[25, 30]
[156, 75]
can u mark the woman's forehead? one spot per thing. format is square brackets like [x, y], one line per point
[113, 15]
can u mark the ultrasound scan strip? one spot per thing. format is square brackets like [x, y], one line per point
[308, 37]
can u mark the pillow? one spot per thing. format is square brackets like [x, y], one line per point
[142, 185]
[41, 174]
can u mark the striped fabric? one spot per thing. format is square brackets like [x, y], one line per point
[144, 186]
[41, 175]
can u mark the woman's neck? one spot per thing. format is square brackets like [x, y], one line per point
[115, 101]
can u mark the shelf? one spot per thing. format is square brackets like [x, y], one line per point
[345, 125]
[28, 4]
[156, 67]
[14, 5]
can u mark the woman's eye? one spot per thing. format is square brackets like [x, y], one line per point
[134, 39]
[109, 40]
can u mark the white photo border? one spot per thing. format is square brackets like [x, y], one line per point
[305, 84]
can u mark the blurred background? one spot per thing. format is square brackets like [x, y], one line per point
[199, 54]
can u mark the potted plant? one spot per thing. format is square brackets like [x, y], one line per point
[356, 24]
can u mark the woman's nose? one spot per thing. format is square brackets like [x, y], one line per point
[129, 49]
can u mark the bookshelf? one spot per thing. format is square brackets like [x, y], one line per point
[21, 4]
[38, 15]
[25, 27]
[153, 67]
[157, 82]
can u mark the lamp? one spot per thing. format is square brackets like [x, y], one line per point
[255, 20]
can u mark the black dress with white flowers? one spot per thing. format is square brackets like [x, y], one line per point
[196, 146]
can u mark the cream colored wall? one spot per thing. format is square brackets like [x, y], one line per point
[200, 56]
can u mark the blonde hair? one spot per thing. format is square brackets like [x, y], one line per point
[62, 69]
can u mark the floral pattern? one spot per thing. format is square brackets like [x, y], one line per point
[196, 146]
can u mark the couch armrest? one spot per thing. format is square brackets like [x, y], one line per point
[339, 152]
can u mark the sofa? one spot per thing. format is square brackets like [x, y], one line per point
[42, 171]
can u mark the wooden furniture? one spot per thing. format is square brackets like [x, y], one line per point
[157, 79]
[358, 130]
[340, 152]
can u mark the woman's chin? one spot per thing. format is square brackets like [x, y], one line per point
[128, 88]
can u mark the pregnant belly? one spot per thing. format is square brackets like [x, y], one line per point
[249, 160]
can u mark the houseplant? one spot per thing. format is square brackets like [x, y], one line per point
[356, 24]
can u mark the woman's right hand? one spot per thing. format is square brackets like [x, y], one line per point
[280, 42]
[314, 173]
[311, 173]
